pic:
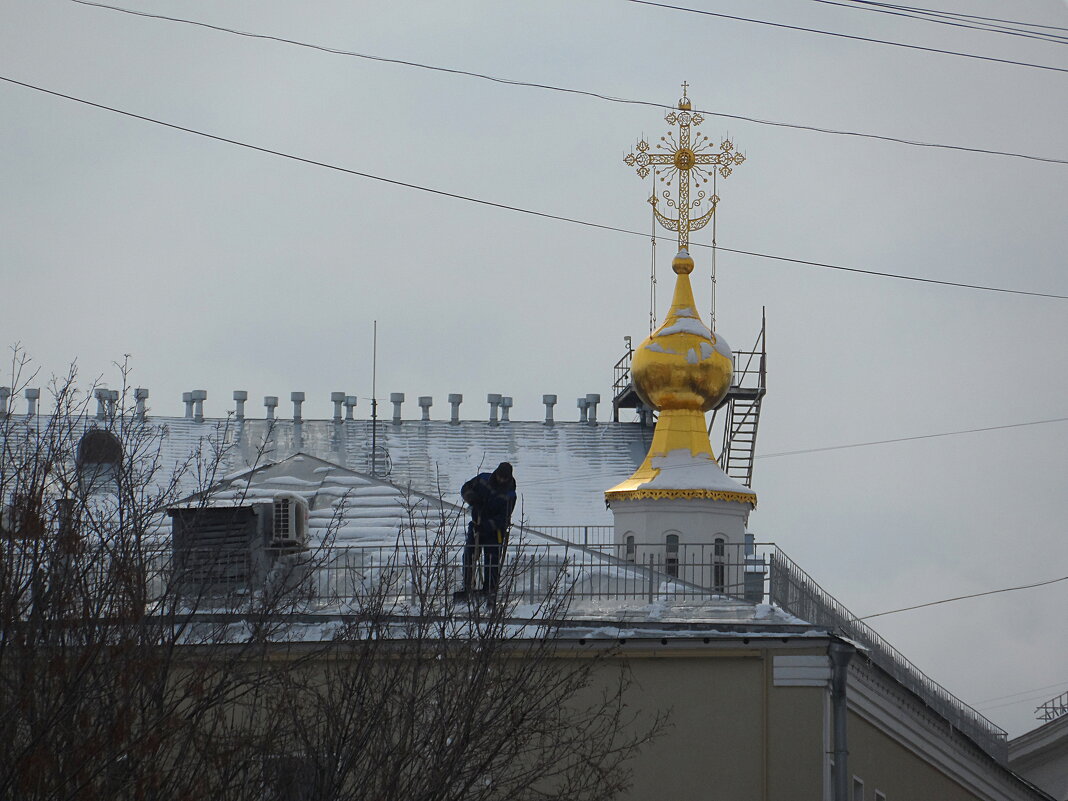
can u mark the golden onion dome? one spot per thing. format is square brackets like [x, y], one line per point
[682, 365]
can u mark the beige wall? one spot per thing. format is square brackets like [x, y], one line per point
[887, 766]
[732, 735]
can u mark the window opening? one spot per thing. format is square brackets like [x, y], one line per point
[671, 564]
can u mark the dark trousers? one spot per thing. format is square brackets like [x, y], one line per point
[486, 545]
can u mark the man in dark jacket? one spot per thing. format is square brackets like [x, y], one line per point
[491, 497]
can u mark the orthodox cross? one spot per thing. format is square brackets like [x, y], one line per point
[690, 157]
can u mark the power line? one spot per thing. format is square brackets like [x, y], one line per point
[911, 439]
[1044, 689]
[505, 206]
[961, 15]
[854, 445]
[571, 90]
[965, 597]
[943, 19]
[844, 36]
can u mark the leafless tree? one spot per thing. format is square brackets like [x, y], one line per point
[122, 678]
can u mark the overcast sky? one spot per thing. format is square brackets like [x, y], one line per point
[220, 268]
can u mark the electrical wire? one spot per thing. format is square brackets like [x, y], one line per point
[965, 597]
[922, 16]
[574, 91]
[975, 56]
[961, 15]
[910, 439]
[858, 444]
[507, 207]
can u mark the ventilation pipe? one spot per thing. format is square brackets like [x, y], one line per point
[187, 399]
[396, 398]
[550, 402]
[591, 401]
[270, 401]
[494, 400]
[583, 406]
[140, 396]
[298, 401]
[455, 399]
[337, 398]
[113, 402]
[425, 402]
[506, 404]
[240, 396]
[199, 396]
[101, 396]
[5, 393]
[350, 404]
[31, 401]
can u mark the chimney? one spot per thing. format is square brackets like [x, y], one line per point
[549, 401]
[425, 402]
[199, 396]
[240, 396]
[396, 398]
[494, 400]
[140, 396]
[101, 396]
[187, 399]
[337, 398]
[31, 401]
[455, 399]
[583, 405]
[350, 404]
[506, 404]
[270, 401]
[592, 400]
[5, 393]
[298, 400]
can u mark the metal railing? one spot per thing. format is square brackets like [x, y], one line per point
[338, 579]
[793, 590]
[1053, 708]
[579, 535]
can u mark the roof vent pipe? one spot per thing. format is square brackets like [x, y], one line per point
[240, 396]
[506, 404]
[31, 401]
[5, 393]
[187, 399]
[112, 402]
[494, 400]
[140, 396]
[298, 400]
[396, 398]
[270, 401]
[337, 398]
[592, 400]
[199, 396]
[583, 406]
[101, 396]
[350, 404]
[425, 402]
[455, 399]
[550, 402]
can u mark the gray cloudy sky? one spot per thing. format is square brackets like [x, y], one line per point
[220, 268]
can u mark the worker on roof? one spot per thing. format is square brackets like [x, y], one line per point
[491, 497]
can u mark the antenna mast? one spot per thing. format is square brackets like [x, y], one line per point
[374, 401]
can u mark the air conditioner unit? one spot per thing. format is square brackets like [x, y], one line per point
[290, 520]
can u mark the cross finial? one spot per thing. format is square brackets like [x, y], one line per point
[687, 161]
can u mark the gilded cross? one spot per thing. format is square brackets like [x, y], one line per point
[689, 157]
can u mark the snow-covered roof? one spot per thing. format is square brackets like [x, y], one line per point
[561, 470]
